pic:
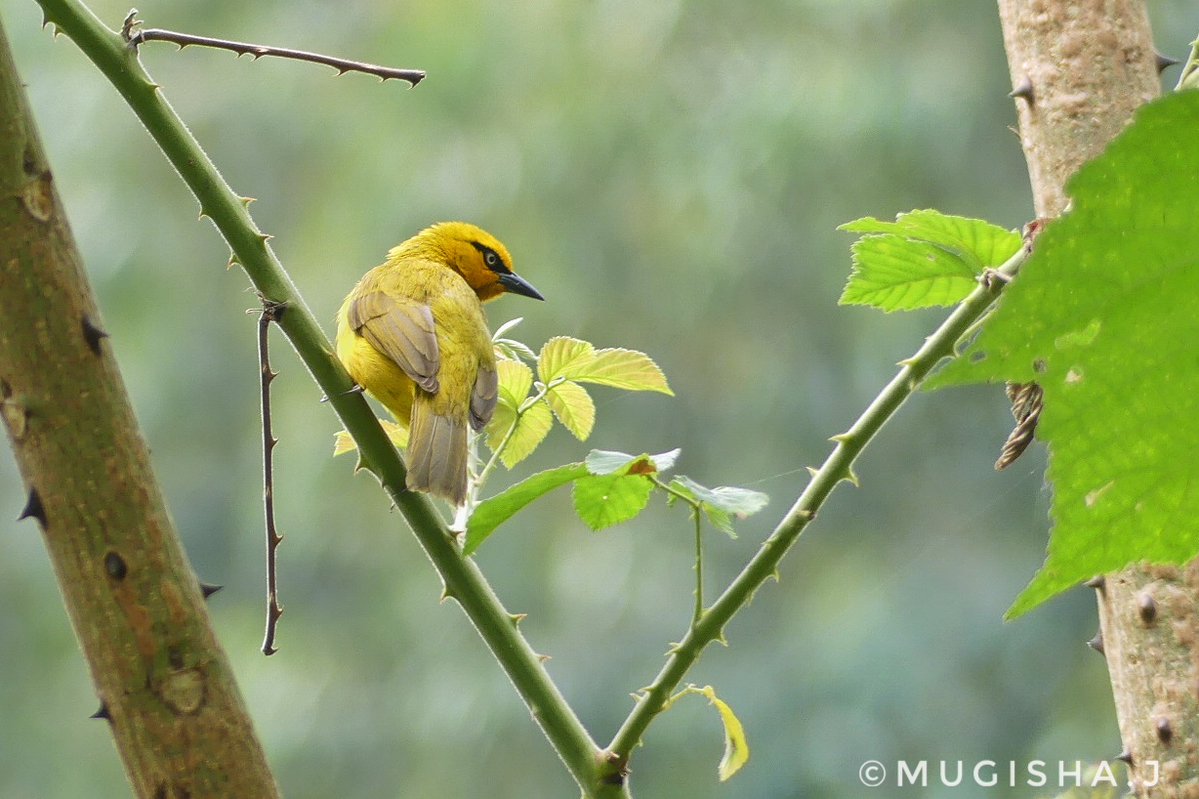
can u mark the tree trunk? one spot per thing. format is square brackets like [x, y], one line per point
[1079, 70]
[164, 684]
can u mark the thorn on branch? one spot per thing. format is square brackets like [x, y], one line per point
[1097, 582]
[33, 509]
[102, 713]
[135, 35]
[1023, 90]
[1096, 643]
[1164, 62]
[93, 335]
[208, 589]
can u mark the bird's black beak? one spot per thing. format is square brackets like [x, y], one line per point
[515, 284]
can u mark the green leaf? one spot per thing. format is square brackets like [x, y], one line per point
[722, 503]
[573, 359]
[574, 408]
[513, 350]
[1105, 317]
[561, 356]
[736, 746]
[922, 259]
[531, 430]
[491, 513]
[505, 327]
[515, 380]
[604, 500]
[600, 461]
[621, 368]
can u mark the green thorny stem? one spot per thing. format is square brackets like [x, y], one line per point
[118, 61]
[600, 773]
[837, 467]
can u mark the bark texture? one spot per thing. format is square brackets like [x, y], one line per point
[164, 684]
[1079, 70]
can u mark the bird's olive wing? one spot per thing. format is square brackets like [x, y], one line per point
[483, 398]
[402, 329]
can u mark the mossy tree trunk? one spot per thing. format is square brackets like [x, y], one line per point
[164, 684]
[1080, 70]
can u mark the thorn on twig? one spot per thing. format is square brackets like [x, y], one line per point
[1125, 757]
[93, 335]
[208, 589]
[1023, 90]
[33, 509]
[102, 713]
[1096, 643]
[1098, 582]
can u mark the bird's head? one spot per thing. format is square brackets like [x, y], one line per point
[481, 259]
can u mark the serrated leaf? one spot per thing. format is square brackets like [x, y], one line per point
[514, 350]
[561, 356]
[491, 513]
[604, 500]
[574, 408]
[621, 368]
[736, 745]
[600, 461]
[531, 430]
[1105, 318]
[515, 380]
[922, 259]
[343, 442]
[741, 502]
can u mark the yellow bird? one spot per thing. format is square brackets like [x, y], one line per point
[413, 334]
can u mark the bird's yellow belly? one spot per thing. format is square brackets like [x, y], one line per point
[378, 374]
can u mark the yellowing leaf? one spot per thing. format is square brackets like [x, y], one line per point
[563, 356]
[531, 430]
[574, 408]
[343, 442]
[736, 747]
[621, 368]
[515, 381]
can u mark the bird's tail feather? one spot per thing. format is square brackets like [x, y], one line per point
[437, 453]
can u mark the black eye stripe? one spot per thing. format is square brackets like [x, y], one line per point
[491, 259]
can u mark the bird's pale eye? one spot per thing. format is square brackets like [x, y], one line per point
[491, 259]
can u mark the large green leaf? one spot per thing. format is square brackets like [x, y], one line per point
[922, 259]
[491, 513]
[1105, 317]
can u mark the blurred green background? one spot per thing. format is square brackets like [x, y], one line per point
[669, 175]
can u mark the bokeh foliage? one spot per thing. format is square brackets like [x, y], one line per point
[670, 176]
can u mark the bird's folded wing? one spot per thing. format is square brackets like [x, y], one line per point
[403, 330]
[483, 398]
